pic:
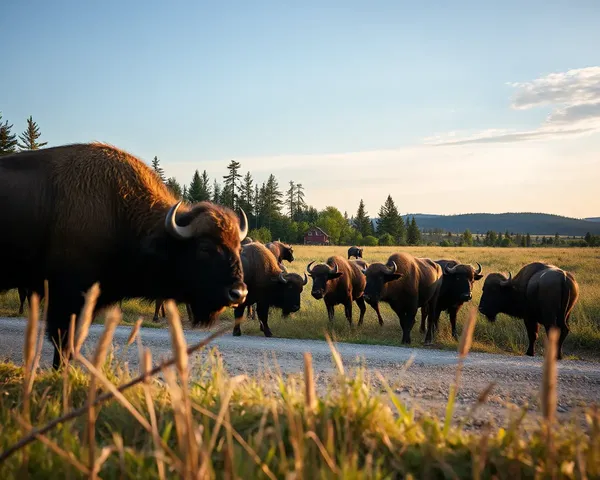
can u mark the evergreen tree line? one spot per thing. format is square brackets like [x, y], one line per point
[275, 214]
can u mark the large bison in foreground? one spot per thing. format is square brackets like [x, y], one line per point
[85, 213]
[457, 288]
[339, 281]
[406, 283]
[539, 293]
[268, 286]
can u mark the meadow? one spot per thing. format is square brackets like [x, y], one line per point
[506, 335]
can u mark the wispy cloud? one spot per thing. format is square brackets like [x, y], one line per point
[575, 95]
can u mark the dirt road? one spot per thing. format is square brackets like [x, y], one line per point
[425, 383]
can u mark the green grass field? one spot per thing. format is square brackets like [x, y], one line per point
[506, 335]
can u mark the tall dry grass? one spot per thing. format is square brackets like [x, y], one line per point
[239, 428]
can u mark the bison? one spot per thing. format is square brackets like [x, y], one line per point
[85, 213]
[268, 286]
[281, 251]
[406, 283]
[540, 293]
[457, 287]
[339, 281]
[355, 252]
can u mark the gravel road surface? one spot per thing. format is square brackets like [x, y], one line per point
[424, 384]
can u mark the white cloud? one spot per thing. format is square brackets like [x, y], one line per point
[575, 95]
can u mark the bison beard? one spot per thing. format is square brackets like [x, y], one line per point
[86, 213]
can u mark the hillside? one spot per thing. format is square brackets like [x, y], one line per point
[533, 223]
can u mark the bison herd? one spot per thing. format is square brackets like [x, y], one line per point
[79, 214]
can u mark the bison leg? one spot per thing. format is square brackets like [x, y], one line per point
[564, 331]
[348, 311]
[452, 312]
[66, 301]
[433, 323]
[263, 316]
[407, 321]
[532, 332]
[251, 312]
[424, 314]
[330, 311]
[22, 297]
[375, 306]
[190, 314]
[238, 314]
[157, 308]
[363, 308]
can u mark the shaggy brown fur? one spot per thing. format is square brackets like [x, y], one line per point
[343, 287]
[415, 283]
[268, 285]
[540, 293]
[82, 213]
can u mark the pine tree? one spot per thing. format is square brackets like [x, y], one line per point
[291, 199]
[247, 194]
[194, 192]
[158, 169]
[362, 222]
[205, 187]
[184, 194]
[467, 237]
[229, 196]
[300, 203]
[390, 221]
[272, 201]
[173, 185]
[216, 193]
[528, 240]
[413, 234]
[30, 135]
[8, 141]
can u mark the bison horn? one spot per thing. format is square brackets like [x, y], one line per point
[308, 268]
[364, 271]
[478, 271]
[507, 281]
[394, 267]
[449, 270]
[335, 269]
[282, 278]
[305, 279]
[172, 227]
[243, 224]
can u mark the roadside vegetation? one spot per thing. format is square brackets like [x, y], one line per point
[173, 421]
[506, 335]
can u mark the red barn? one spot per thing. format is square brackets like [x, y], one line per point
[316, 236]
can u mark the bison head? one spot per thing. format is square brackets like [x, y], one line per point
[497, 291]
[378, 275]
[321, 275]
[199, 251]
[289, 291]
[287, 253]
[458, 281]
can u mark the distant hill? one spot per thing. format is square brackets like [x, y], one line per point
[533, 223]
[592, 219]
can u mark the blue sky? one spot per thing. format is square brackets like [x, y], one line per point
[448, 106]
